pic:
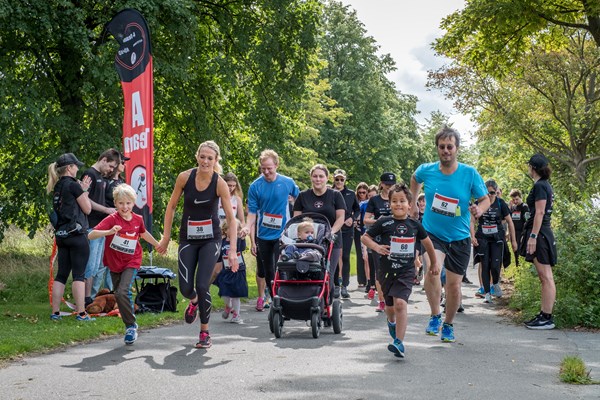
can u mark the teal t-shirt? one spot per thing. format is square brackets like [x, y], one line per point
[447, 199]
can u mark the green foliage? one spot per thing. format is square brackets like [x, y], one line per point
[573, 370]
[577, 273]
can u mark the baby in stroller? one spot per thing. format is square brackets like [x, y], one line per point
[306, 234]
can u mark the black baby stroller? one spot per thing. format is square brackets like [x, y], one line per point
[302, 289]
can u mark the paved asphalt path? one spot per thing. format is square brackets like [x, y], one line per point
[491, 359]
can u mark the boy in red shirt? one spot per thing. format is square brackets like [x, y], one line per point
[123, 252]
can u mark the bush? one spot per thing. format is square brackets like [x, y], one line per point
[577, 273]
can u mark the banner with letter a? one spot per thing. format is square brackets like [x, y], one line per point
[133, 62]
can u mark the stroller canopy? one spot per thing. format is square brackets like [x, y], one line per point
[320, 223]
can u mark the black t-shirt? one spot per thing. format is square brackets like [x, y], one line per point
[402, 235]
[542, 190]
[327, 204]
[519, 214]
[111, 184]
[200, 221]
[378, 207]
[352, 206]
[489, 225]
[64, 202]
[97, 193]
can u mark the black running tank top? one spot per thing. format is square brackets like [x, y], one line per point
[200, 221]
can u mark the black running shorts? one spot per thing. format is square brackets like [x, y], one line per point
[458, 253]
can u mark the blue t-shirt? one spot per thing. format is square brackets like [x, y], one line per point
[271, 198]
[447, 197]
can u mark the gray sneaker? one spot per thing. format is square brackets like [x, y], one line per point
[497, 290]
[345, 293]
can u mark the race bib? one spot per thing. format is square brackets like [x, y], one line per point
[402, 247]
[272, 221]
[200, 230]
[489, 229]
[444, 205]
[516, 215]
[226, 261]
[124, 243]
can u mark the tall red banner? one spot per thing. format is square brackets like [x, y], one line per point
[133, 62]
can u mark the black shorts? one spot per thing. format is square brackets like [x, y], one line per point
[458, 253]
[545, 250]
[398, 286]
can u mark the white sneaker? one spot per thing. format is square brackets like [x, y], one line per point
[488, 298]
[236, 319]
[497, 290]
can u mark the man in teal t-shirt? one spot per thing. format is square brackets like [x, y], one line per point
[450, 188]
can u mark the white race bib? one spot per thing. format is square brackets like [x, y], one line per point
[124, 243]
[272, 221]
[516, 215]
[444, 205]
[226, 260]
[200, 230]
[402, 247]
[489, 229]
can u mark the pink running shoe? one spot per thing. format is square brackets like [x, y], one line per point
[204, 341]
[371, 294]
[380, 307]
[226, 312]
[191, 313]
[260, 304]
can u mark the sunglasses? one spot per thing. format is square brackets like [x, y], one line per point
[362, 192]
[340, 179]
[492, 193]
[447, 146]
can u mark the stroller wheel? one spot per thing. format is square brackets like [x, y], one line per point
[337, 316]
[276, 323]
[315, 324]
[271, 312]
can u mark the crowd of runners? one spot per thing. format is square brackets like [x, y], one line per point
[425, 231]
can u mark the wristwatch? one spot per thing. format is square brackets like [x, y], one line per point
[533, 235]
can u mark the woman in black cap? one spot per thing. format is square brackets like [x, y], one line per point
[71, 205]
[538, 244]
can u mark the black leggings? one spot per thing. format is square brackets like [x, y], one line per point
[190, 258]
[373, 267]
[346, 247]
[361, 277]
[268, 251]
[73, 254]
[491, 261]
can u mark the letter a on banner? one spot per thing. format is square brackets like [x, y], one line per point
[134, 65]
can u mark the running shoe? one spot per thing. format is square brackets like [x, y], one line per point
[345, 293]
[448, 333]
[392, 329]
[55, 317]
[86, 317]
[480, 293]
[488, 298]
[533, 319]
[336, 292]
[267, 303]
[228, 310]
[435, 322]
[380, 307]
[191, 313]
[131, 334]
[371, 294]
[260, 304]
[461, 308]
[492, 290]
[204, 341]
[236, 319]
[466, 280]
[540, 323]
[496, 290]
[397, 348]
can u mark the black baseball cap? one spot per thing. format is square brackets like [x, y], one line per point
[538, 161]
[124, 158]
[68, 159]
[389, 178]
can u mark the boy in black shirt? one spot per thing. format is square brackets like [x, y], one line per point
[399, 235]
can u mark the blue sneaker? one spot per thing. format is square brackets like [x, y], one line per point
[435, 323]
[131, 334]
[492, 290]
[55, 317]
[85, 318]
[480, 293]
[392, 329]
[448, 333]
[397, 348]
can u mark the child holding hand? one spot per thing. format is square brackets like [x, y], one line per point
[123, 252]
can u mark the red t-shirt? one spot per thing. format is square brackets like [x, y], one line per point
[122, 250]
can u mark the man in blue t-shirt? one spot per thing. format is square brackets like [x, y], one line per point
[268, 209]
[450, 188]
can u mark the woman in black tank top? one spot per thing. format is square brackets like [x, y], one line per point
[200, 234]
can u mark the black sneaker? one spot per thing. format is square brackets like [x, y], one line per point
[336, 292]
[345, 293]
[540, 323]
[466, 280]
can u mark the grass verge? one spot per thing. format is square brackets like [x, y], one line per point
[574, 371]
